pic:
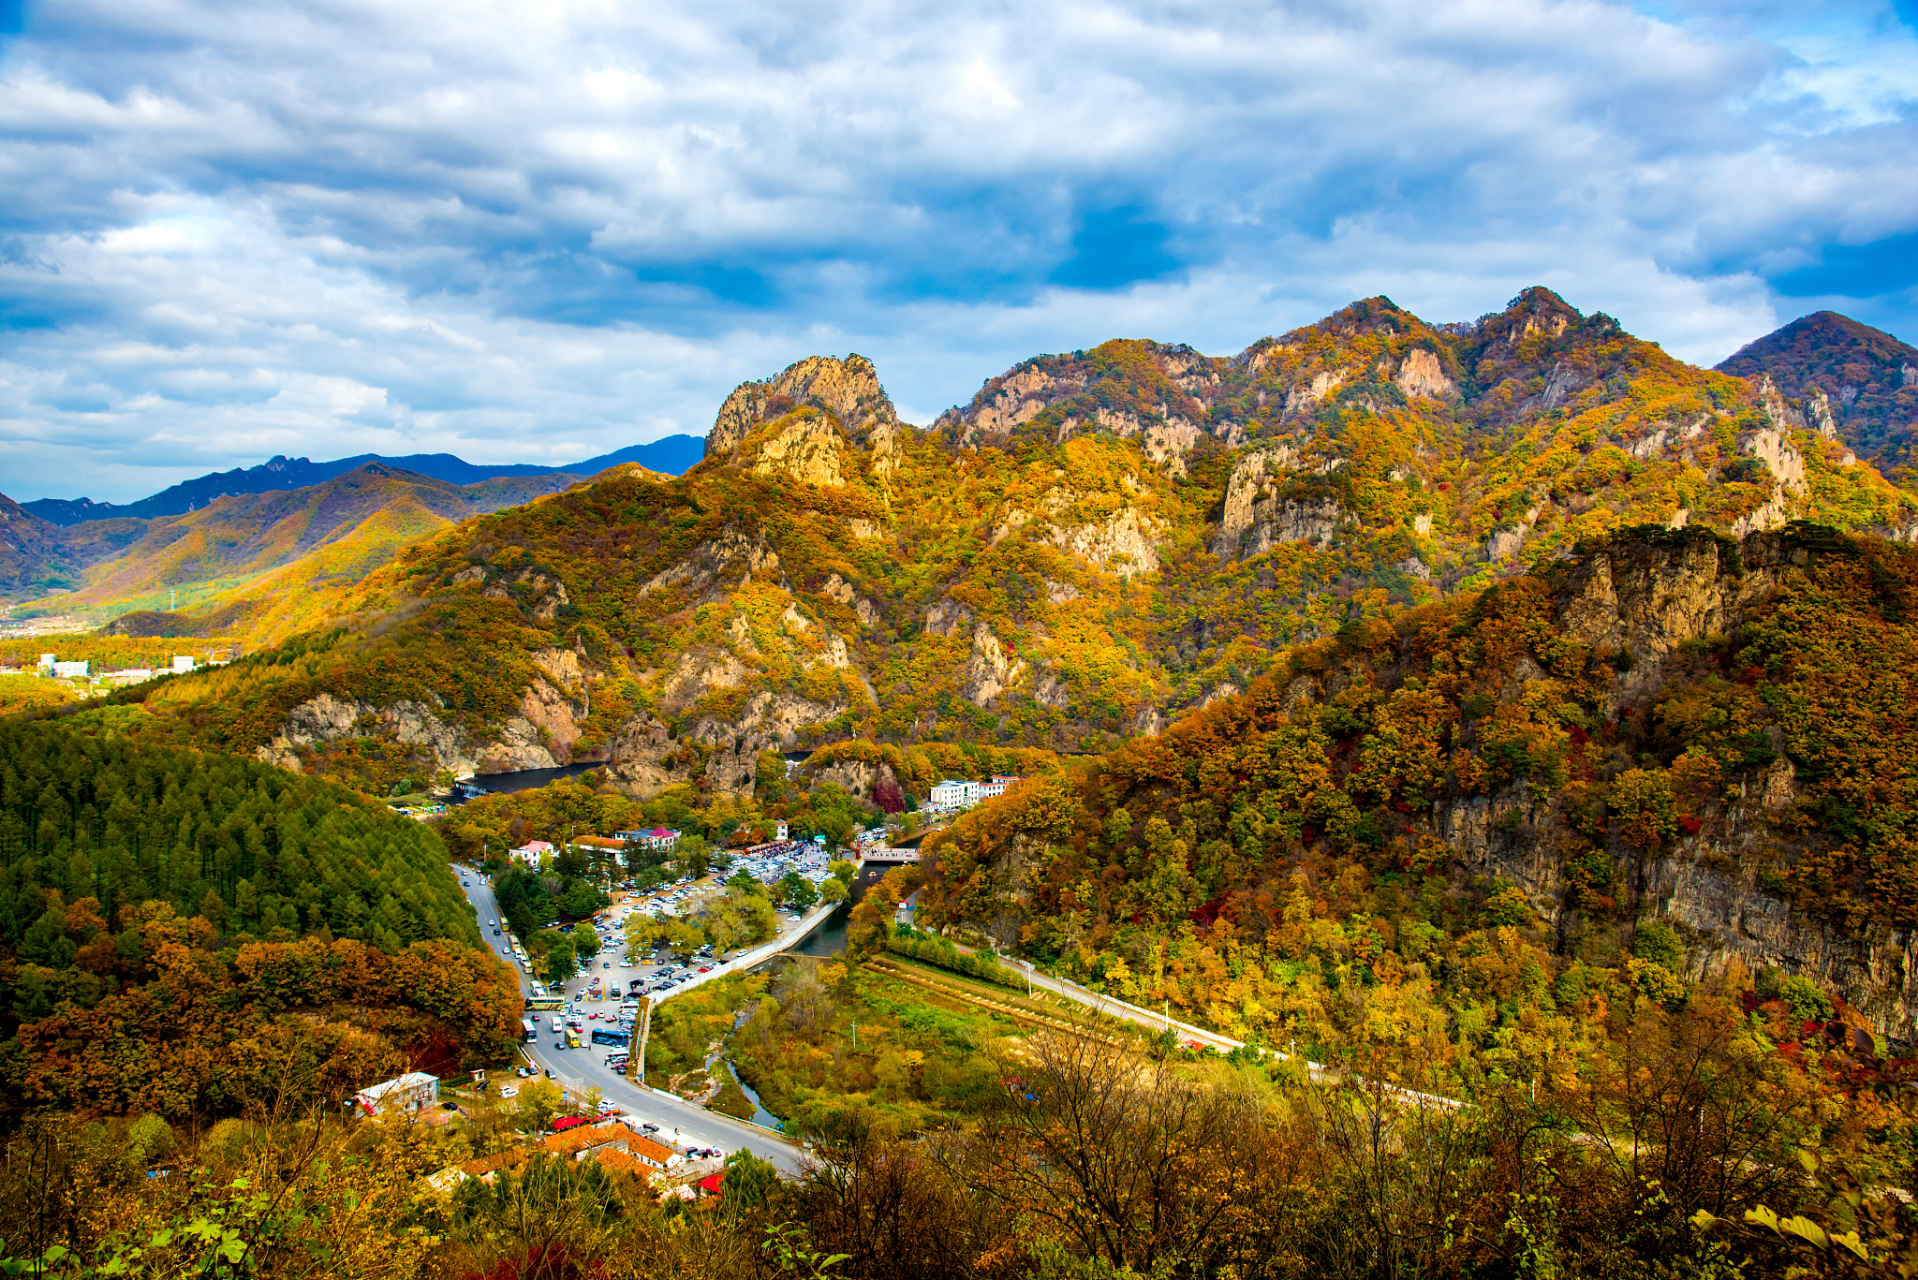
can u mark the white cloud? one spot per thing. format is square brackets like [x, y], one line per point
[533, 233]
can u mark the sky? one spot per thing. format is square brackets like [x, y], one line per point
[539, 232]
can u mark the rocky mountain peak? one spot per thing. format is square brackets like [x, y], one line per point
[1848, 380]
[1536, 310]
[847, 389]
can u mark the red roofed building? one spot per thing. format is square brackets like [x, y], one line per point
[710, 1184]
[656, 1154]
[580, 1142]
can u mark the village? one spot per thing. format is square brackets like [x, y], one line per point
[542, 1121]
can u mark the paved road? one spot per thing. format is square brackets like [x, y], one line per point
[1318, 1072]
[583, 1068]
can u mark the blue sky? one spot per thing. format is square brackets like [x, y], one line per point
[539, 232]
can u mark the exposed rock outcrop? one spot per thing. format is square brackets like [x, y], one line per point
[1124, 543]
[1255, 518]
[991, 669]
[1422, 375]
[807, 449]
[847, 389]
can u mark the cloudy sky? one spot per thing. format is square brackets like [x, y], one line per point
[540, 231]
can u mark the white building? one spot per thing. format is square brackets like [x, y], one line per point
[414, 1091]
[664, 839]
[532, 853]
[182, 662]
[779, 830]
[953, 794]
[997, 787]
[70, 670]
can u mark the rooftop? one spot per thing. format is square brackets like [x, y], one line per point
[574, 1141]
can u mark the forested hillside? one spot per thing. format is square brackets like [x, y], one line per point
[1098, 541]
[1851, 380]
[175, 926]
[1670, 754]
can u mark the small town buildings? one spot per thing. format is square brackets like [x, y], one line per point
[413, 1092]
[586, 1140]
[533, 853]
[662, 839]
[954, 794]
[614, 1161]
[999, 785]
[600, 846]
[656, 1155]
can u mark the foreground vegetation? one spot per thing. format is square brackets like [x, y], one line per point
[1081, 1158]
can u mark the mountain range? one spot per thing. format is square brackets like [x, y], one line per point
[254, 552]
[672, 455]
[1532, 554]
[1098, 540]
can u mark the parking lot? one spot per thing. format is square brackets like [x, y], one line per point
[588, 1067]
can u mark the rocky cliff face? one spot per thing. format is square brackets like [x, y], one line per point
[1258, 515]
[847, 389]
[1641, 643]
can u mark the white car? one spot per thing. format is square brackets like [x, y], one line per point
[508, 1091]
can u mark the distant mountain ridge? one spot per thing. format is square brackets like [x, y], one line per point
[262, 554]
[1855, 382]
[672, 455]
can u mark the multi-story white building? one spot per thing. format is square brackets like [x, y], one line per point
[954, 794]
[997, 787]
[664, 839]
[414, 1091]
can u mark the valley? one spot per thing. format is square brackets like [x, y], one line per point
[1428, 784]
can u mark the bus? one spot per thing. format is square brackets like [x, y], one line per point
[607, 1035]
[529, 1028]
[572, 1038]
[545, 1003]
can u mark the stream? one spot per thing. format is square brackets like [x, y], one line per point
[760, 1115]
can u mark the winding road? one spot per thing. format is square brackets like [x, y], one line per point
[577, 1070]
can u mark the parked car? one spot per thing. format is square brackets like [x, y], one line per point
[508, 1091]
[650, 1128]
